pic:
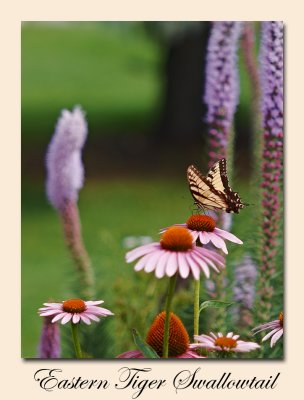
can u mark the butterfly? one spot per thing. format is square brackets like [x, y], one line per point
[213, 191]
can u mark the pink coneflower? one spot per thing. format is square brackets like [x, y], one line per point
[74, 310]
[276, 332]
[203, 230]
[178, 339]
[224, 343]
[175, 253]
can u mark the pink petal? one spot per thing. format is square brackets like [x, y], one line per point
[210, 263]
[172, 265]
[162, 264]
[227, 235]
[189, 354]
[98, 311]
[276, 337]
[218, 242]
[94, 303]
[76, 318]
[194, 235]
[142, 262]
[66, 318]
[204, 237]
[140, 251]
[50, 312]
[269, 334]
[131, 354]
[183, 266]
[152, 260]
[194, 267]
[201, 263]
[85, 319]
[59, 316]
[91, 316]
[53, 305]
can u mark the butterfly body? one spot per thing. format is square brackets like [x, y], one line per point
[213, 191]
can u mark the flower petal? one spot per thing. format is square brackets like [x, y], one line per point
[152, 260]
[58, 316]
[204, 237]
[172, 265]
[183, 266]
[199, 260]
[195, 267]
[85, 319]
[161, 265]
[141, 251]
[276, 337]
[227, 235]
[76, 318]
[218, 242]
[94, 303]
[66, 318]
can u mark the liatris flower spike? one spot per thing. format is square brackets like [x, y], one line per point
[223, 343]
[75, 311]
[276, 332]
[178, 339]
[65, 173]
[49, 345]
[65, 176]
[222, 85]
[175, 253]
[203, 230]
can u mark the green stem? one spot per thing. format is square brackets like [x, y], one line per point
[196, 307]
[171, 288]
[76, 340]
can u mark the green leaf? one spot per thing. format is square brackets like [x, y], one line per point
[143, 346]
[214, 304]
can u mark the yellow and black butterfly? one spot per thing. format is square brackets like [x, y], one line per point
[213, 191]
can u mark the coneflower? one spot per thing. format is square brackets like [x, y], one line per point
[222, 97]
[271, 63]
[65, 177]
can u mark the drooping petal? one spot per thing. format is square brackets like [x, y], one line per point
[66, 318]
[201, 263]
[172, 264]
[152, 260]
[184, 268]
[218, 242]
[76, 318]
[227, 235]
[276, 337]
[161, 265]
[195, 267]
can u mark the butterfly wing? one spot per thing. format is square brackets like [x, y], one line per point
[213, 191]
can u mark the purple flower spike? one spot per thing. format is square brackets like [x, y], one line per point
[49, 345]
[65, 172]
[222, 85]
[271, 64]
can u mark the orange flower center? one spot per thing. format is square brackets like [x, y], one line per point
[176, 238]
[178, 336]
[281, 319]
[225, 342]
[201, 223]
[74, 306]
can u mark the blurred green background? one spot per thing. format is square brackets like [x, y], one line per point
[141, 86]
